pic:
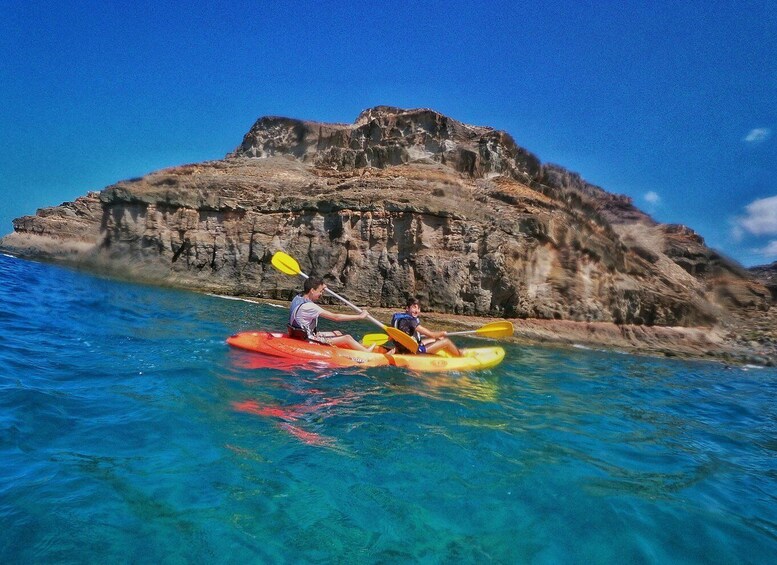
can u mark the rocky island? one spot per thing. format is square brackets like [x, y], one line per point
[413, 202]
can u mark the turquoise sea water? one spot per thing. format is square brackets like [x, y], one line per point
[129, 432]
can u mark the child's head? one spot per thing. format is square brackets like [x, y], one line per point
[413, 306]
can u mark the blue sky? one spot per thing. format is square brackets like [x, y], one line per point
[671, 103]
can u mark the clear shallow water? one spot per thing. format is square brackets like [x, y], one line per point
[129, 432]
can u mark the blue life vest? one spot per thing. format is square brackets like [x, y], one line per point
[408, 324]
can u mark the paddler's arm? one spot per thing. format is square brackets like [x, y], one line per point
[429, 333]
[335, 317]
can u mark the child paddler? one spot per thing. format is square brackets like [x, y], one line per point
[304, 314]
[409, 322]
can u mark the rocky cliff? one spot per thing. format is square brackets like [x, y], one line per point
[399, 202]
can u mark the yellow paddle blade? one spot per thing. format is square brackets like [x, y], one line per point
[400, 337]
[496, 329]
[374, 339]
[285, 263]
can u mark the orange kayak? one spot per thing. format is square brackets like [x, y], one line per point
[280, 345]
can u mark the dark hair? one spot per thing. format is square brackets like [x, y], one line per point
[311, 283]
[412, 300]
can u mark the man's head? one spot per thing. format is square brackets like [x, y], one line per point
[314, 287]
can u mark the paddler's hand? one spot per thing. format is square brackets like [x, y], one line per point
[363, 314]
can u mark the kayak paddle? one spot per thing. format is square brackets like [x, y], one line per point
[492, 329]
[288, 265]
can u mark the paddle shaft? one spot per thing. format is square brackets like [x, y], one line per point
[355, 307]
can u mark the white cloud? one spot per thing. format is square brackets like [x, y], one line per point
[770, 251]
[652, 197]
[761, 218]
[758, 135]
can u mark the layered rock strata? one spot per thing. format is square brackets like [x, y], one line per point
[400, 202]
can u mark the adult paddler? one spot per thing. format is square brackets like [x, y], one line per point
[304, 314]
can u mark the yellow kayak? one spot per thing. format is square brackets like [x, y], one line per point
[280, 345]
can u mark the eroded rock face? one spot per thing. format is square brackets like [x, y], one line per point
[400, 202]
[766, 275]
[384, 136]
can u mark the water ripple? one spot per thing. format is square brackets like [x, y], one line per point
[125, 417]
